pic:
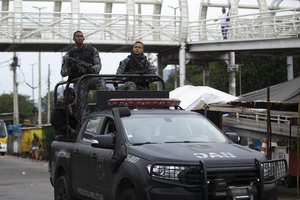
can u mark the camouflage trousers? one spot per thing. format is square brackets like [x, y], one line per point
[130, 85]
[83, 89]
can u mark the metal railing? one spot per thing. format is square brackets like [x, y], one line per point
[22, 27]
[264, 25]
[104, 28]
[257, 121]
[260, 118]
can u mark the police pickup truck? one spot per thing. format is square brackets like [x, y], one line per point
[139, 145]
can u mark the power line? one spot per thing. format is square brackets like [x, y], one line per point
[9, 60]
[3, 66]
[3, 63]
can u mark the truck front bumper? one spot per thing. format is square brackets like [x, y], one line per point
[178, 193]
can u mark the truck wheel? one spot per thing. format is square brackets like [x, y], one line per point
[129, 194]
[61, 189]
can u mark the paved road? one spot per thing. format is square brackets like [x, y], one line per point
[287, 193]
[24, 179]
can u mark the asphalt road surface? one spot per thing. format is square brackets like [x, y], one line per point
[24, 179]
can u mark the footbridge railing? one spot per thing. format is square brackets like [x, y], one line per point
[264, 25]
[51, 27]
[44, 27]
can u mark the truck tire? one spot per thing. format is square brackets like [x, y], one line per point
[61, 189]
[129, 194]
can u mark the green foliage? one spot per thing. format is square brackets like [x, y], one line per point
[257, 72]
[194, 75]
[6, 105]
[260, 72]
[218, 76]
[170, 81]
[25, 105]
[296, 63]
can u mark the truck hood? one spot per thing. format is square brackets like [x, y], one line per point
[211, 153]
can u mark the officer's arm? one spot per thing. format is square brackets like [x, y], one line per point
[122, 67]
[65, 69]
[97, 62]
[150, 68]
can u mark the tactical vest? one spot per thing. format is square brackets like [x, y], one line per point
[84, 53]
[134, 67]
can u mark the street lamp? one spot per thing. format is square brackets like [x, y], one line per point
[175, 66]
[40, 73]
[32, 87]
[32, 80]
[175, 14]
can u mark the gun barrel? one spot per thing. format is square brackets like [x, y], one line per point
[80, 62]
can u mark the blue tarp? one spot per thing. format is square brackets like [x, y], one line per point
[14, 127]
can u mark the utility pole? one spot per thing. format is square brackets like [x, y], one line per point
[40, 74]
[13, 66]
[40, 93]
[32, 80]
[48, 96]
[32, 87]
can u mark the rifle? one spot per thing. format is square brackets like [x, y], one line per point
[80, 62]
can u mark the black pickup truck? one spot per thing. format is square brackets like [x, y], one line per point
[140, 145]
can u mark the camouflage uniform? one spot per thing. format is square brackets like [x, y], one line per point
[90, 55]
[136, 64]
[86, 53]
[59, 120]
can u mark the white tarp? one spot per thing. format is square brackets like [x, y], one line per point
[195, 97]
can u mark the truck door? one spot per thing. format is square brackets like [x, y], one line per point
[100, 175]
[81, 158]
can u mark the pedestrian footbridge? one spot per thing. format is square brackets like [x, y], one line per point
[38, 30]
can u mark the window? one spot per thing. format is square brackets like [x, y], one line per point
[91, 128]
[110, 127]
[160, 128]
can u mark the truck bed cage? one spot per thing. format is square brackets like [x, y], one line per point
[110, 79]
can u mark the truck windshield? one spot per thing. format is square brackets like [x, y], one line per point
[165, 128]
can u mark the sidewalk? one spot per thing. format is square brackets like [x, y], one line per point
[285, 193]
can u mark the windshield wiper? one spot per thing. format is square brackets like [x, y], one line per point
[185, 141]
[142, 143]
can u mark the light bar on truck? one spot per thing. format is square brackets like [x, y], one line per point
[143, 102]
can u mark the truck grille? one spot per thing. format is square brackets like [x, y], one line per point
[234, 175]
[200, 176]
[179, 174]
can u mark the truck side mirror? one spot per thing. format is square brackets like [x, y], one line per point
[124, 112]
[233, 137]
[103, 141]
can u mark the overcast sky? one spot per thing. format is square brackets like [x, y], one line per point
[110, 61]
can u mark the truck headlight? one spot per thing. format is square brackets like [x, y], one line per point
[183, 175]
[268, 171]
[169, 172]
[274, 170]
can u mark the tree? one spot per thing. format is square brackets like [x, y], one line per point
[260, 72]
[170, 81]
[25, 105]
[257, 72]
[193, 77]
[218, 76]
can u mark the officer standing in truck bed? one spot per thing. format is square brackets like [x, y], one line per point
[136, 63]
[82, 59]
